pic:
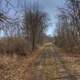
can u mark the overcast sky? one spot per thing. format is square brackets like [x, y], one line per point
[50, 6]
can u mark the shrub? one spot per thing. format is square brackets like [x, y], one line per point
[12, 46]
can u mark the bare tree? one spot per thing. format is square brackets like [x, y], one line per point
[68, 28]
[36, 21]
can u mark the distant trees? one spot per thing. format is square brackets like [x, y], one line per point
[35, 22]
[68, 26]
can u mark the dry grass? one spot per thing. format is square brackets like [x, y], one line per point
[11, 46]
[17, 68]
[73, 61]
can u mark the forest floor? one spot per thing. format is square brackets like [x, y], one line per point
[47, 63]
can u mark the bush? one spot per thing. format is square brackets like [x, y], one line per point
[11, 46]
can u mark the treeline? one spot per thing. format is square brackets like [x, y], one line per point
[68, 27]
[25, 32]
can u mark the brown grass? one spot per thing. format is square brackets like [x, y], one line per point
[18, 68]
[12, 46]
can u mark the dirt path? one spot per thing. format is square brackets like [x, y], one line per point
[51, 66]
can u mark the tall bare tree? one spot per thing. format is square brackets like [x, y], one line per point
[36, 21]
[68, 28]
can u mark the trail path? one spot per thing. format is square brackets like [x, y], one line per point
[46, 63]
[52, 66]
